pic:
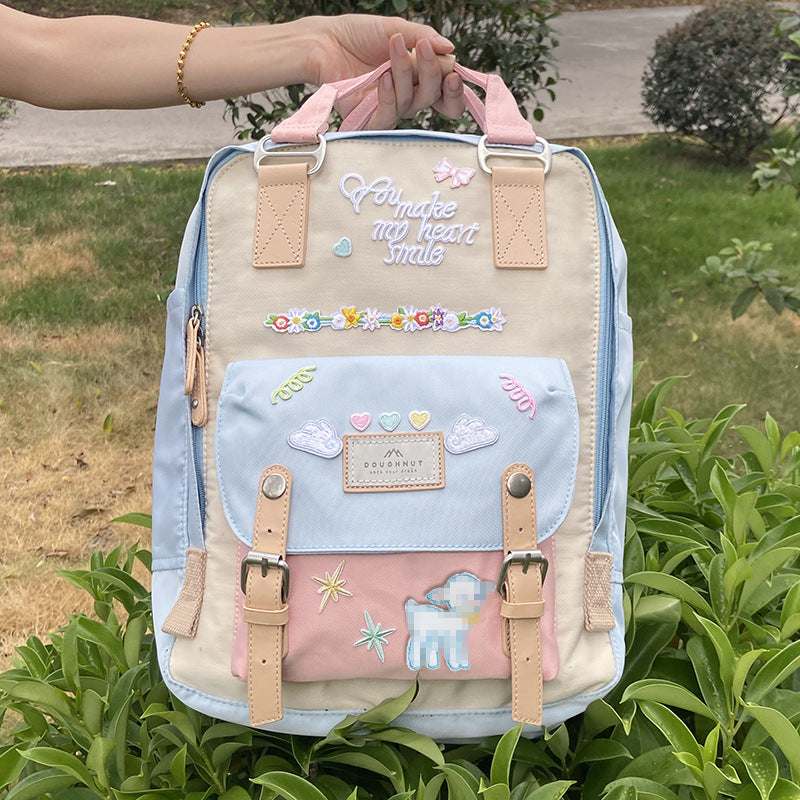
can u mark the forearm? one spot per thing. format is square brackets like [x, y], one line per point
[111, 62]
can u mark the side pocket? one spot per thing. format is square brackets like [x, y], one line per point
[176, 512]
[603, 575]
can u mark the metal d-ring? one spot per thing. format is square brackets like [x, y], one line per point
[280, 151]
[486, 151]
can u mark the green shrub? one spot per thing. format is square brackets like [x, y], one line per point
[708, 706]
[6, 109]
[514, 39]
[783, 163]
[742, 263]
[719, 75]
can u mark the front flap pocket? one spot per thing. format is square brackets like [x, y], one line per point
[396, 453]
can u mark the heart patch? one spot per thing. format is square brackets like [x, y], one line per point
[419, 419]
[317, 437]
[343, 248]
[389, 421]
[360, 421]
[470, 433]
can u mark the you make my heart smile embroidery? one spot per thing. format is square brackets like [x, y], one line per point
[415, 232]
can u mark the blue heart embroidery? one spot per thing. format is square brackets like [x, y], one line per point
[389, 421]
[343, 247]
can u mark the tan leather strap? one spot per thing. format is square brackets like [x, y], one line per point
[281, 216]
[519, 229]
[195, 383]
[184, 616]
[265, 575]
[521, 610]
[521, 581]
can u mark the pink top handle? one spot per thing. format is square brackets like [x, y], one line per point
[499, 119]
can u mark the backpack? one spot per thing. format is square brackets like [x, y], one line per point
[391, 440]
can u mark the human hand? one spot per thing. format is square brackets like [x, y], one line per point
[354, 44]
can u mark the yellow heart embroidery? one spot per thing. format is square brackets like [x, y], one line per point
[419, 419]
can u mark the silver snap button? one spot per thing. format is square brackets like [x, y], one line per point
[518, 485]
[274, 486]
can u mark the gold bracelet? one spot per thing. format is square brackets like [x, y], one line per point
[181, 58]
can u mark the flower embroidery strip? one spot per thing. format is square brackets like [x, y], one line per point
[406, 318]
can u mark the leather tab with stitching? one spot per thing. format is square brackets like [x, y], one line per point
[519, 229]
[281, 216]
[523, 603]
[267, 613]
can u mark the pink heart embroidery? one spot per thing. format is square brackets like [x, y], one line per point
[360, 421]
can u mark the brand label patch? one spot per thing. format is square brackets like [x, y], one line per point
[393, 462]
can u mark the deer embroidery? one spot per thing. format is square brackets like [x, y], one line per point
[444, 627]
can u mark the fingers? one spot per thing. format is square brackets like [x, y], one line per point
[402, 75]
[413, 33]
[412, 97]
[452, 103]
[429, 87]
[385, 116]
[398, 93]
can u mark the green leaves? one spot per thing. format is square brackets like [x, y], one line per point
[290, 787]
[720, 536]
[742, 262]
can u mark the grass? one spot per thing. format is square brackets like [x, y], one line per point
[674, 205]
[88, 256]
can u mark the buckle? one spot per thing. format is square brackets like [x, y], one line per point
[524, 557]
[265, 561]
[265, 149]
[487, 151]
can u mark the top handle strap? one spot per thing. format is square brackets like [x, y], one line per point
[499, 118]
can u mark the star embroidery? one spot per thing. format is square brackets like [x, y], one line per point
[331, 587]
[374, 636]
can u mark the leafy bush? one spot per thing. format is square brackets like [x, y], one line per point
[6, 109]
[708, 705]
[783, 164]
[742, 261]
[719, 75]
[514, 39]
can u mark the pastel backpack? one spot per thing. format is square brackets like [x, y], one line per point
[392, 431]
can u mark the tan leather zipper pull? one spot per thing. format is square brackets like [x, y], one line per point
[195, 382]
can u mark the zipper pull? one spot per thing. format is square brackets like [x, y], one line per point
[195, 383]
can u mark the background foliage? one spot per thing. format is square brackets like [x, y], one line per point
[514, 39]
[719, 75]
[708, 705]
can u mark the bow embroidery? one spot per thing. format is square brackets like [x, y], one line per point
[459, 176]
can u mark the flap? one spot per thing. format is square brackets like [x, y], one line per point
[396, 454]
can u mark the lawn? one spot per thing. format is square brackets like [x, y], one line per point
[87, 258]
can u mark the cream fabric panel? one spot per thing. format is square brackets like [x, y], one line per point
[554, 312]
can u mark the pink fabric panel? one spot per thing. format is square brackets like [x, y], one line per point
[322, 643]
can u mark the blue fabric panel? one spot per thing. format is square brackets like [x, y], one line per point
[171, 466]
[253, 433]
